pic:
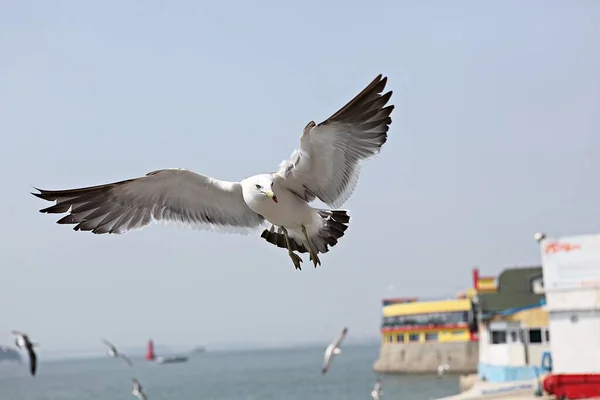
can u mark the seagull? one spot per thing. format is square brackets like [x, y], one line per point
[137, 390]
[326, 166]
[333, 350]
[377, 392]
[22, 342]
[113, 352]
[442, 368]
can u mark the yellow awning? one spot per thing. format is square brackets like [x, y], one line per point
[425, 307]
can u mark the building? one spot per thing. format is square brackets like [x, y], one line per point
[428, 321]
[513, 327]
[418, 336]
[572, 286]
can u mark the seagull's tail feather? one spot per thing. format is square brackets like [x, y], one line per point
[334, 225]
[277, 238]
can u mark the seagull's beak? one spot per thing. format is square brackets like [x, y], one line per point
[271, 195]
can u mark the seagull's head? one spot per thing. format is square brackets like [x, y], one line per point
[260, 184]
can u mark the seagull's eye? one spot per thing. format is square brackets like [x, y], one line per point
[258, 186]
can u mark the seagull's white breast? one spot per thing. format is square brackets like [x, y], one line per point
[289, 211]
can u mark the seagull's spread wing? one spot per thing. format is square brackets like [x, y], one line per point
[125, 358]
[327, 164]
[32, 360]
[110, 345]
[339, 340]
[377, 387]
[175, 195]
[136, 385]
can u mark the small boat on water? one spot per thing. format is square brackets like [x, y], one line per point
[177, 358]
[171, 359]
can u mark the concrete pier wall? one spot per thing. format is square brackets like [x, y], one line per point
[425, 357]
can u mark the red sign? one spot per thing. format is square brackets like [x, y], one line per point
[558, 247]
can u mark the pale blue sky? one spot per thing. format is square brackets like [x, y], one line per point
[495, 135]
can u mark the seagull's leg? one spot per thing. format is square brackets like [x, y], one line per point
[313, 254]
[295, 258]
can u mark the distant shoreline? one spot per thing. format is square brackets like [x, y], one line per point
[139, 352]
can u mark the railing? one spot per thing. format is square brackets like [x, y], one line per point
[427, 319]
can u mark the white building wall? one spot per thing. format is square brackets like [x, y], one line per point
[511, 353]
[571, 268]
[575, 342]
[516, 356]
[499, 354]
[484, 339]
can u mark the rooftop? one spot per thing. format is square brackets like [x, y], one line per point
[517, 287]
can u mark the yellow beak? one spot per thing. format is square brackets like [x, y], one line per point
[271, 195]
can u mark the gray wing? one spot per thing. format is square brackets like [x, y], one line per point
[327, 164]
[377, 386]
[136, 385]
[32, 360]
[110, 345]
[125, 358]
[341, 338]
[174, 195]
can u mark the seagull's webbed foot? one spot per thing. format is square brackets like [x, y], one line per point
[313, 254]
[295, 257]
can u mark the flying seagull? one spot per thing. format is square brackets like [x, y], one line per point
[333, 350]
[443, 367]
[113, 352]
[137, 390]
[326, 167]
[23, 342]
[376, 393]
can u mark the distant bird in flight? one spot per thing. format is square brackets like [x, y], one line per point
[377, 392]
[113, 352]
[443, 367]
[22, 342]
[137, 390]
[333, 350]
[326, 167]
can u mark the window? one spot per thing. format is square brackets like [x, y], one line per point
[514, 336]
[498, 337]
[400, 338]
[390, 338]
[445, 318]
[547, 332]
[535, 336]
[431, 336]
[414, 337]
